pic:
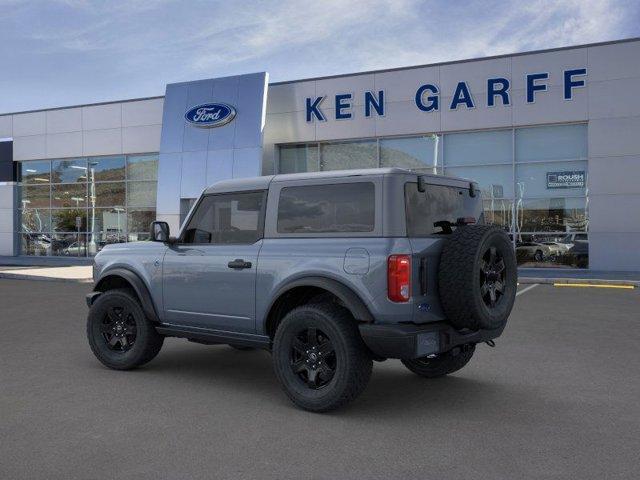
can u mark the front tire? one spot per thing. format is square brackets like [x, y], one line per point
[441, 365]
[320, 358]
[119, 334]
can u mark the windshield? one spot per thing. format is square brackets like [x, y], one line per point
[441, 205]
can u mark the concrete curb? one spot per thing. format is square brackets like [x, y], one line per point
[587, 281]
[20, 276]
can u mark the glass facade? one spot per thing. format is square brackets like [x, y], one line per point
[74, 207]
[533, 180]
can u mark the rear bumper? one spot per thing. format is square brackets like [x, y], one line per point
[407, 341]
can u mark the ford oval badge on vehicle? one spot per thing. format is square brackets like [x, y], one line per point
[210, 115]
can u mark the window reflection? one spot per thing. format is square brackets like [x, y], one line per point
[557, 142]
[35, 220]
[140, 220]
[298, 158]
[107, 169]
[495, 181]
[141, 194]
[35, 172]
[69, 245]
[478, 148]
[534, 180]
[498, 212]
[142, 167]
[553, 249]
[413, 153]
[349, 155]
[74, 207]
[69, 220]
[69, 171]
[35, 196]
[551, 215]
[69, 195]
[110, 194]
[38, 244]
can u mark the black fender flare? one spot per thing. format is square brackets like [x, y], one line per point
[346, 295]
[138, 286]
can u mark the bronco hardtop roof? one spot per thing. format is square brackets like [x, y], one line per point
[262, 183]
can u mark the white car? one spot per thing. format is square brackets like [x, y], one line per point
[557, 248]
[534, 250]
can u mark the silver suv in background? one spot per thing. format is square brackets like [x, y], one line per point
[329, 271]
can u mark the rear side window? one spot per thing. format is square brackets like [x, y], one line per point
[438, 204]
[234, 218]
[344, 207]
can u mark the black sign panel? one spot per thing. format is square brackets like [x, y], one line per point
[6, 162]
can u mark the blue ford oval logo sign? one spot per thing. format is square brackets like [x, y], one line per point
[210, 115]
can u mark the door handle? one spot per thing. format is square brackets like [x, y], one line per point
[239, 264]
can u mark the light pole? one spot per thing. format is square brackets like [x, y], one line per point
[92, 197]
[91, 171]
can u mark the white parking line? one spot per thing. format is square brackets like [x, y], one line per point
[526, 289]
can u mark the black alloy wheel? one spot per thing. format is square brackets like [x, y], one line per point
[492, 272]
[313, 358]
[319, 357]
[118, 328]
[119, 333]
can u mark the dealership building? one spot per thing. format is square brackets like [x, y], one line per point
[552, 137]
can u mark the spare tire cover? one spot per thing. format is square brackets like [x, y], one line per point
[477, 277]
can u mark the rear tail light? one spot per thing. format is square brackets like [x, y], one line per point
[399, 278]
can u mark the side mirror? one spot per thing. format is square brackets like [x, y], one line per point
[160, 232]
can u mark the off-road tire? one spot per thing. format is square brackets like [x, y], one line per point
[443, 364]
[353, 363]
[147, 342]
[459, 277]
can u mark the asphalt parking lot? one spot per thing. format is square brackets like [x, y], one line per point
[557, 398]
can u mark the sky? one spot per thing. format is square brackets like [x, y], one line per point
[69, 52]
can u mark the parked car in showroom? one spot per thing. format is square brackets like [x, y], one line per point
[535, 251]
[556, 249]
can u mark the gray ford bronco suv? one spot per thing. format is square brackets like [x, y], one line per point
[328, 271]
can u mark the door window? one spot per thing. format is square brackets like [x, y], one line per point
[234, 218]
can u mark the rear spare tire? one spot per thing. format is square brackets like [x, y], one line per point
[477, 277]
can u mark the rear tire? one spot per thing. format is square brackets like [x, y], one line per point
[443, 364]
[320, 358]
[119, 334]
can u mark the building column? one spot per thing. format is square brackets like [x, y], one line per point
[8, 193]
